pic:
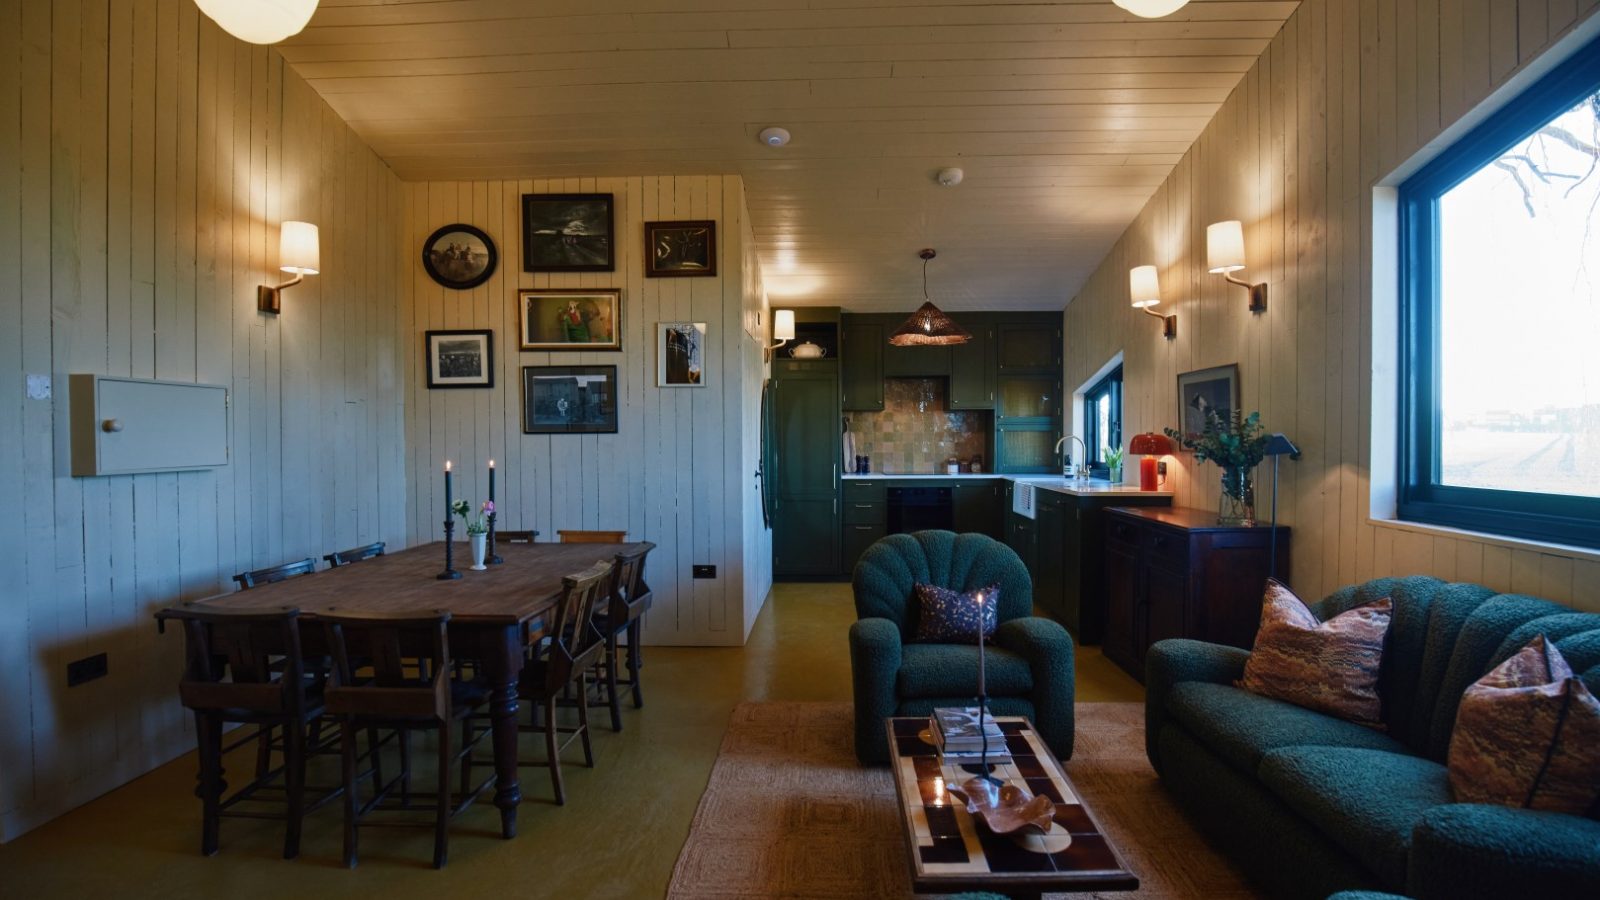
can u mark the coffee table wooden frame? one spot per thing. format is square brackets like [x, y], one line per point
[950, 852]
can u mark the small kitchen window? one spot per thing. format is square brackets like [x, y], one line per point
[1500, 308]
[1102, 420]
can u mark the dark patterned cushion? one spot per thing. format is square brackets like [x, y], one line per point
[1528, 734]
[1330, 667]
[951, 617]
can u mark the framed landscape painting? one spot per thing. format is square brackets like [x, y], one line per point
[1205, 391]
[681, 354]
[568, 233]
[460, 359]
[577, 319]
[569, 399]
[680, 249]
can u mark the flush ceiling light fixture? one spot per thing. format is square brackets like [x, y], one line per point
[928, 326]
[1151, 9]
[259, 21]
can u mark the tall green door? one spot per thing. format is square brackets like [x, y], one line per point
[806, 455]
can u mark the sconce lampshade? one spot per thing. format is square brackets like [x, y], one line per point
[1225, 247]
[298, 250]
[1151, 9]
[259, 21]
[1150, 444]
[1144, 288]
[783, 324]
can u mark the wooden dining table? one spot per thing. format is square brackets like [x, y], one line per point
[492, 615]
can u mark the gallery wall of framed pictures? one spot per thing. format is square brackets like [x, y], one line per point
[459, 358]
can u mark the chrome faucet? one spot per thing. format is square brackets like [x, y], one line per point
[1067, 469]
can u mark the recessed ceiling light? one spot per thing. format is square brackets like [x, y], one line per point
[774, 136]
[1151, 9]
[950, 177]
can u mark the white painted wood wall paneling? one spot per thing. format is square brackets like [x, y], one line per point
[1065, 116]
[1347, 91]
[676, 472]
[148, 158]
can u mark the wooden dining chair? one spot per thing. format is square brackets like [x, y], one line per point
[569, 536]
[355, 554]
[374, 684]
[562, 660]
[246, 667]
[275, 574]
[621, 612]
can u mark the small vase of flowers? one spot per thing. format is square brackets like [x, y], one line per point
[1237, 443]
[1113, 458]
[477, 529]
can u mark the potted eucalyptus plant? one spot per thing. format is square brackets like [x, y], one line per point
[1237, 443]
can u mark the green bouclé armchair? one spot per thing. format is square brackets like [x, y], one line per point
[1029, 662]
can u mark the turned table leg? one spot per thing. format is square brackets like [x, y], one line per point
[503, 662]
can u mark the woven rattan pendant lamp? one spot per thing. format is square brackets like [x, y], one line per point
[928, 326]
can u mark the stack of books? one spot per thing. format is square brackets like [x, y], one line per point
[955, 732]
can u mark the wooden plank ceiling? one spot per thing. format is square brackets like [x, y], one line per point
[1065, 117]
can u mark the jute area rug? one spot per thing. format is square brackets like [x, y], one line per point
[789, 813]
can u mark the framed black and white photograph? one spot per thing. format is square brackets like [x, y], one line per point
[681, 354]
[575, 319]
[680, 249]
[460, 359]
[459, 256]
[1203, 392]
[569, 399]
[568, 233]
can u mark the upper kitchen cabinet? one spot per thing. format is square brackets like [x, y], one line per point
[914, 362]
[861, 348]
[972, 368]
[1031, 346]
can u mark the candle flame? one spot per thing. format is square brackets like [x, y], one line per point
[447, 465]
[491, 463]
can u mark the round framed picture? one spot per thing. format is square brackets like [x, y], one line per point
[459, 256]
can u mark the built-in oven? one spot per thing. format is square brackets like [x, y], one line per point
[920, 509]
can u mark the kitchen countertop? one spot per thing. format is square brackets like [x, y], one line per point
[1092, 488]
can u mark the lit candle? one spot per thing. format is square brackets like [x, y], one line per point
[447, 498]
[491, 481]
[938, 790]
[980, 658]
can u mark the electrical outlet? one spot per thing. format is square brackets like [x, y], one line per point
[705, 571]
[1161, 467]
[87, 669]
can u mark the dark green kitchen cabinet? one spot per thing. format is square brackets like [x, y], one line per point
[972, 370]
[861, 348]
[805, 462]
[914, 362]
[1049, 567]
[977, 506]
[1029, 346]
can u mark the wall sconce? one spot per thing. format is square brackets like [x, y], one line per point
[782, 331]
[1145, 291]
[299, 253]
[1225, 255]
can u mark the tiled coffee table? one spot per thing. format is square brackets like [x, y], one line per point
[951, 852]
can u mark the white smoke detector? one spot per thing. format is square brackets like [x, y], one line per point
[774, 136]
[950, 177]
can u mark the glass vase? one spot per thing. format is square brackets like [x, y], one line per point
[1238, 502]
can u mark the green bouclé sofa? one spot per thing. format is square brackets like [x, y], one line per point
[1311, 805]
[1029, 662]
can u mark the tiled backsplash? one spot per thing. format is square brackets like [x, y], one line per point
[917, 431]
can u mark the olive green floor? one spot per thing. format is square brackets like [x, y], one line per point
[618, 835]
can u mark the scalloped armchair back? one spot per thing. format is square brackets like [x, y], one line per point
[886, 575]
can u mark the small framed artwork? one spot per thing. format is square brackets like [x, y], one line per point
[680, 249]
[459, 359]
[1203, 392]
[569, 399]
[577, 319]
[681, 354]
[567, 233]
[459, 256]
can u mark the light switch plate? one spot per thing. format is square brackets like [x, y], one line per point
[38, 387]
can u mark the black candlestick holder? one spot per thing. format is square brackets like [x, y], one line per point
[449, 573]
[984, 772]
[493, 558]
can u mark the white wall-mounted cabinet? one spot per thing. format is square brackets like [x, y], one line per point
[128, 426]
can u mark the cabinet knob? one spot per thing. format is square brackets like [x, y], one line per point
[111, 426]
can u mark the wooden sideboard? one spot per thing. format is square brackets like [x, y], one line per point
[1174, 572]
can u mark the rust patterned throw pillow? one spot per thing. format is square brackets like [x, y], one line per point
[1331, 667]
[1528, 734]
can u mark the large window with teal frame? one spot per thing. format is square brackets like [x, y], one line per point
[1500, 320]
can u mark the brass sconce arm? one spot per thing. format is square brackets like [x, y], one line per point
[1258, 292]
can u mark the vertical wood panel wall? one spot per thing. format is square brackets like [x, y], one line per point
[146, 159]
[679, 470]
[1346, 93]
